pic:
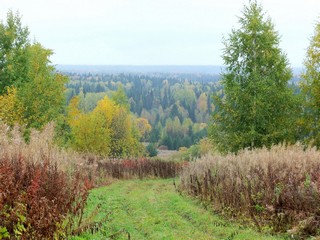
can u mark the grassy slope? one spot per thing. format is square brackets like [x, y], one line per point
[153, 210]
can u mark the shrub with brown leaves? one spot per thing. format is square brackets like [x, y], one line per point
[139, 168]
[278, 187]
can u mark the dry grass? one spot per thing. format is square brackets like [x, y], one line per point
[278, 187]
[41, 144]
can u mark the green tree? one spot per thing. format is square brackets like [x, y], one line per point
[121, 98]
[310, 88]
[257, 103]
[13, 52]
[152, 150]
[25, 67]
[42, 97]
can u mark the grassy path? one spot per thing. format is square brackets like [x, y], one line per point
[152, 209]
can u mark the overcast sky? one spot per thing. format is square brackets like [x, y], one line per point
[154, 32]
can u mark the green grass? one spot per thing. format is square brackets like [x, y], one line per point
[152, 209]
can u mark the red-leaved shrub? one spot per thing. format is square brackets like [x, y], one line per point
[38, 199]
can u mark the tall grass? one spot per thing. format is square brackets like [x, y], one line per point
[279, 188]
[39, 193]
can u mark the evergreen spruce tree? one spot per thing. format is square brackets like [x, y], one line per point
[256, 105]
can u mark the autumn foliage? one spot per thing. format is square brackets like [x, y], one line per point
[11, 110]
[38, 199]
[109, 130]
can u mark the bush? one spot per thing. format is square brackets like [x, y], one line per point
[152, 150]
[139, 168]
[278, 187]
[38, 199]
[202, 148]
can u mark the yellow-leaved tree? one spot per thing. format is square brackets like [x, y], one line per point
[144, 128]
[11, 111]
[107, 130]
[89, 130]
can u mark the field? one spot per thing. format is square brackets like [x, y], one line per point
[153, 209]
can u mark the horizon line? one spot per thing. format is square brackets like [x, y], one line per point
[149, 65]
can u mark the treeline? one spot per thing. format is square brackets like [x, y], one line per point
[177, 106]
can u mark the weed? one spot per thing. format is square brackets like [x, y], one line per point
[279, 187]
[139, 168]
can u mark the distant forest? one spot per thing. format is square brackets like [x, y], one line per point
[177, 105]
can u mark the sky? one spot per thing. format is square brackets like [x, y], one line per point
[155, 32]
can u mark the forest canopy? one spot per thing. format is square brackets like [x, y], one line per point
[177, 106]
